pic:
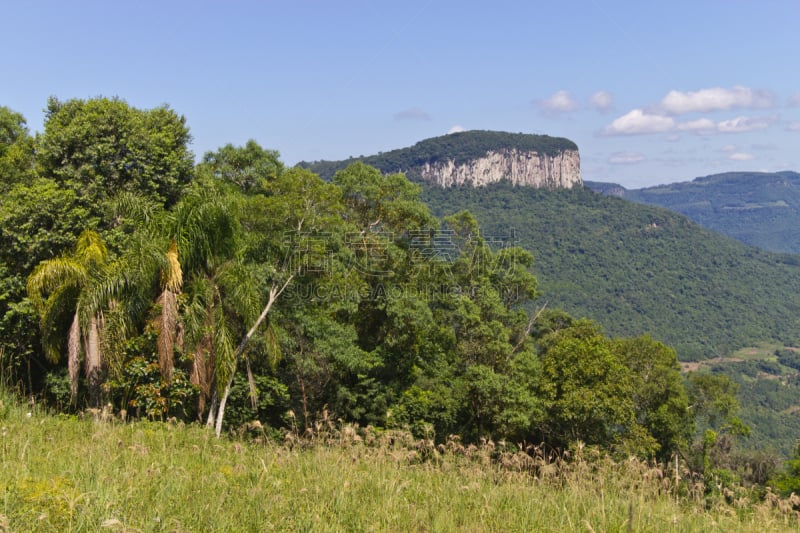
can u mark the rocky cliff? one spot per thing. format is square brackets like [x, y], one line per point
[528, 168]
[477, 158]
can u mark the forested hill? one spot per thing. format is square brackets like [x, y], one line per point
[459, 148]
[637, 268]
[758, 208]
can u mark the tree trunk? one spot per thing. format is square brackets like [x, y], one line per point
[212, 410]
[274, 292]
[74, 358]
[166, 326]
[94, 362]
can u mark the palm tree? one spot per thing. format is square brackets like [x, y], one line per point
[192, 249]
[60, 288]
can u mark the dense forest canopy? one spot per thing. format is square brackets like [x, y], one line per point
[758, 208]
[239, 290]
[638, 268]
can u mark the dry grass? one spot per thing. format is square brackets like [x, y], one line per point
[90, 474]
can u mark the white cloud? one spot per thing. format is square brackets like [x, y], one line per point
[793, 126]
[672, 137]
[559, 102]
[625, 158]
[456, 129]
[701, 125]
[741, 156]
[638, 122]
[602, 101]
[729, 148]
[794, 100]
[714, 99]
[413, 113]
[743, 124]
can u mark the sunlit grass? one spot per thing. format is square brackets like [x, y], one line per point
[69, 474]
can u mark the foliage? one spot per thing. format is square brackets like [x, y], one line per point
[59, 289]
[250, 168]
[140, 389]
[342, 300]
[16, 149]
[638, 268]
[102, 146]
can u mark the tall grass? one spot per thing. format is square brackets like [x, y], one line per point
[89, 474]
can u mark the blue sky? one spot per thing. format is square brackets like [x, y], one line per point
[651, 92]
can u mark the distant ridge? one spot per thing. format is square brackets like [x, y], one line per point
[477, 158]
[758, 208]
[639, 268]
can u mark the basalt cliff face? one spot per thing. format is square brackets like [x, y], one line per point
[477, 158]
[526, 168]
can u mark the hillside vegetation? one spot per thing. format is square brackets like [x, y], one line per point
[262, 300]
[239, 290]
[459, 147]
[636, 268]
[758, 208]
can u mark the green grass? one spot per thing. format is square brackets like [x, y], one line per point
[763, 350]
[70, 474]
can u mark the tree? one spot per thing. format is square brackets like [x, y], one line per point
[189, 247]
[660, 399]
[585, 387]
[296, 209]
[100, 147]
[16, 149]
[713, 400]
[60, 288]
[249, 168]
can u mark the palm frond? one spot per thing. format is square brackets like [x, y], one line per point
[171, 274]
[242, 289]
[224, 350]
[53, 316]
[200, 301]
[272, 344]
[115, 331]
[251, 382]
[134, 206]
[51, 275]
[90, 250]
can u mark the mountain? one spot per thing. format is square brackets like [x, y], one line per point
[478, 158]
[636, 268]
[758, 208]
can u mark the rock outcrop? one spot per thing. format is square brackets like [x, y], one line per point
[526, 168]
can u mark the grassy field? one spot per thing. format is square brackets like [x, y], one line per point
[88, 474]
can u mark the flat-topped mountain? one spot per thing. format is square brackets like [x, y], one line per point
[478, 158]
[758, 208]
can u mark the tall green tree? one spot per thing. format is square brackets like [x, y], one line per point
[250, 167]
[660, 398]
[101, 146]
[297, 211]
[585, 387]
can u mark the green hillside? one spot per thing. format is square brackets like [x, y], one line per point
[461, 146]
[639, 269]
[758, 208]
